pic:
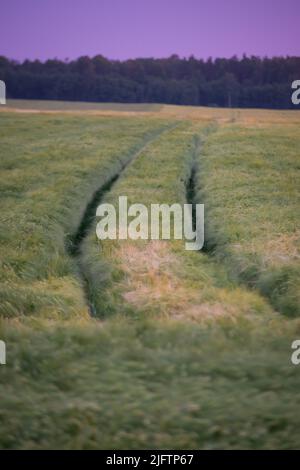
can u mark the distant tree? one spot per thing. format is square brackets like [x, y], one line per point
[246, 82]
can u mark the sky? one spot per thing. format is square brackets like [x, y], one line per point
[122, 29]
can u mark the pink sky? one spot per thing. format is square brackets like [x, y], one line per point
[121, 29]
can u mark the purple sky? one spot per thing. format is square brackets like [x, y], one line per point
[121, 29]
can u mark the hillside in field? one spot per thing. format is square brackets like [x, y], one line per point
[143, 344]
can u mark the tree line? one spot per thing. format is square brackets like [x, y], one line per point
[235, 82]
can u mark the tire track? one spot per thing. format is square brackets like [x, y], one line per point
[193, 187]
[215, 244]
[75, 241]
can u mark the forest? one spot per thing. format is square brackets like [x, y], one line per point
[246, 82]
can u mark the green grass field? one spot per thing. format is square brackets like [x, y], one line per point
[137, 344]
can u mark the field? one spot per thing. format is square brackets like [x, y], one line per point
[143, 344]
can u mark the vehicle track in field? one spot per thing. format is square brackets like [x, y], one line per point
[75, 241]
[193, 185]
[212, 241]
